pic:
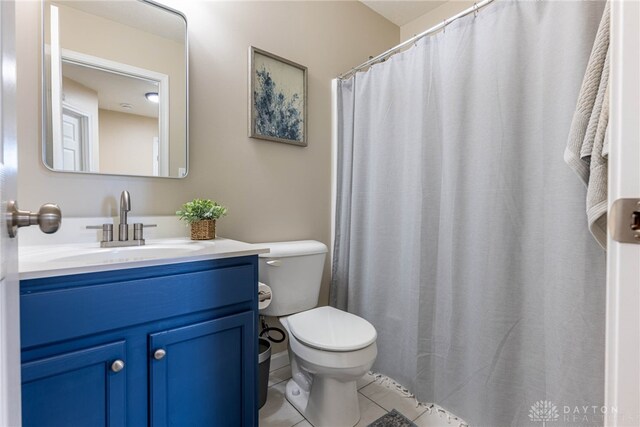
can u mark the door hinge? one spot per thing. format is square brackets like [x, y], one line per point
[624, 221]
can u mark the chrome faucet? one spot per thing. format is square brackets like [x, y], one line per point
[123, 228]
[125, 206]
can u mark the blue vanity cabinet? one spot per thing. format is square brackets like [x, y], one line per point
[170, 345]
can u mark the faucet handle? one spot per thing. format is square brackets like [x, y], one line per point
[107, 231]
[137, 230]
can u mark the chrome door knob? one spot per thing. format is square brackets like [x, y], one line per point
[49, 218]
[117, 366]
[159, 354]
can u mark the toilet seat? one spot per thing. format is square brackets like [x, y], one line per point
[329, 360]
[330, 329]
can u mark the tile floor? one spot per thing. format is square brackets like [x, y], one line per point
[375, 401]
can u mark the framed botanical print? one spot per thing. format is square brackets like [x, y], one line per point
[277, 98]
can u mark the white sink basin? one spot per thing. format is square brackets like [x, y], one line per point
[92, 254]
[64, 259]
[131, 253]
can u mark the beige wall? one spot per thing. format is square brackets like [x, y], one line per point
[437, 15]
[81, 97]
[274, 191]
[126, 142]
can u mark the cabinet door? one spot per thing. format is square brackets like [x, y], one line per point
[80, 388]
[205, 374]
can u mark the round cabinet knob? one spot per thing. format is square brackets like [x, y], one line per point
[159, 354]
[117, 366]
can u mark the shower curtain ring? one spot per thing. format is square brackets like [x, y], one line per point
[475, 10]
[444, 26]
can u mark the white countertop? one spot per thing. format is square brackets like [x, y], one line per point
[40, 261]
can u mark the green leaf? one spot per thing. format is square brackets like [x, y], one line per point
[201, 209]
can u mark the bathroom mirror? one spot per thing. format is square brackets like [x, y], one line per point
[114, 88]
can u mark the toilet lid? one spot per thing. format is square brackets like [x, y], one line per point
[327, 328]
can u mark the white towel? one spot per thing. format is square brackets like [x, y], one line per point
[588, 148]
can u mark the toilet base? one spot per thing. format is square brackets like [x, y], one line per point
[296, 396]
[329, 403]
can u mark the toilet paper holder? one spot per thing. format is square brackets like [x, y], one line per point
[264, 295]
[264, 299]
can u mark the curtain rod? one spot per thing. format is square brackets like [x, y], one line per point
[384, 55]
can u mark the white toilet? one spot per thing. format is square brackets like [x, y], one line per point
[329, 349]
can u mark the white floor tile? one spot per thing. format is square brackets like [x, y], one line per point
[279, 375]
[303, 423]
[369, 411]
[391, 399]
[366, 380]
[277, 412]
[436, 419]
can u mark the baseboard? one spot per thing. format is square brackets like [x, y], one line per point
[279, 360]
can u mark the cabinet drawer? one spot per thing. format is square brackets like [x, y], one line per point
[57, 315]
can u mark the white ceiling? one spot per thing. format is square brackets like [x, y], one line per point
[114, 89]
[401, 12]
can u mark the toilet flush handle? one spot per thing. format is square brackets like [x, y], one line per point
[274, 263]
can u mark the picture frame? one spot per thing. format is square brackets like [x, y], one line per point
[277, 98]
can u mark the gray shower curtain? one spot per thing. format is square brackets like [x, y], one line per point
[460, 231]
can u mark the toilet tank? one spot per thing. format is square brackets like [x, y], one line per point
[293, 270]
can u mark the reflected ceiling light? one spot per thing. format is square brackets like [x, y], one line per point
[126, 106]
[152, 97]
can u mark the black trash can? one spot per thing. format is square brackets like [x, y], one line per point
[264, 361]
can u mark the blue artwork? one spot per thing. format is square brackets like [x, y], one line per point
[277, 115]
[278, 95]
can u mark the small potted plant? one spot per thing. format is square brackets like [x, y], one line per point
[202, 214]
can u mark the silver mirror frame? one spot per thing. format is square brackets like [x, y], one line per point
[45, 102]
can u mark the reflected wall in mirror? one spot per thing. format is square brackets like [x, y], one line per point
[115, 88]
